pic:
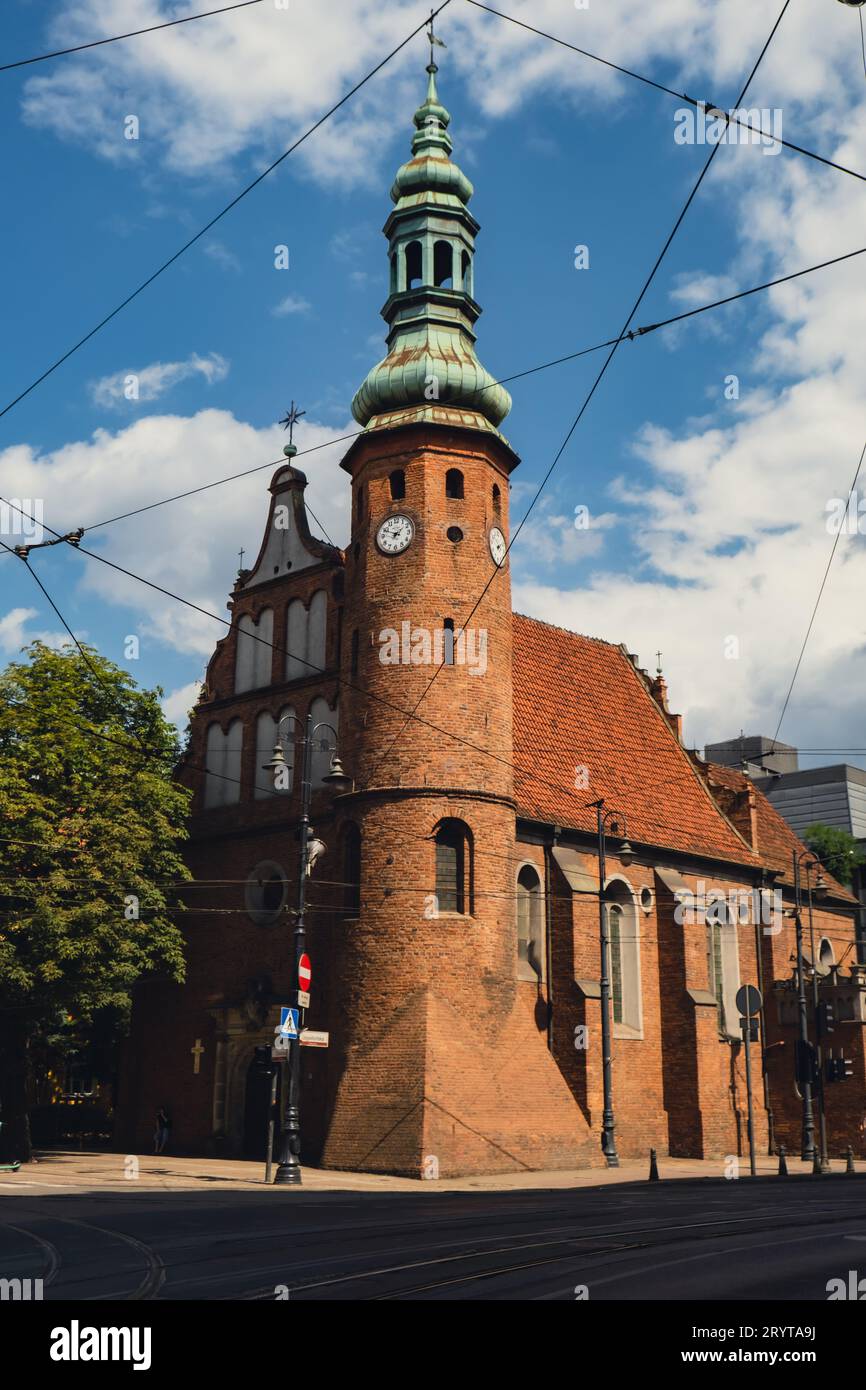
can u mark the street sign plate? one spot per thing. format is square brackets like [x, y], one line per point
[313, 1038]
[305, 972]
[288, 1022]
[303, 999]
[749, 1000]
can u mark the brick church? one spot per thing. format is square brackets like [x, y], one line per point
[453, 921]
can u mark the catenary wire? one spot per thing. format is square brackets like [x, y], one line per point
[133, 34]
[219, 216]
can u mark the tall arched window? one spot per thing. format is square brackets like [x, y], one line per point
[443, 264]
[453, 483]
[530, 925]
[397, 484]
[222, 785]
[352, 870]
[497, 499]
[323, 742]
[266, 738]
[254, 651]
[723, 965]
[624, 959]
[454, 890]
[413, 265]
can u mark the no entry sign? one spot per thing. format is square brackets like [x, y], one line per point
[305, 972]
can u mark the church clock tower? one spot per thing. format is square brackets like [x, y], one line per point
[435, 1058]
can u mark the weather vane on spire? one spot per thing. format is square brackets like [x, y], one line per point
[290, 419]
[439, 43]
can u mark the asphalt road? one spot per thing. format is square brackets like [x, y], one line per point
[678, 1240]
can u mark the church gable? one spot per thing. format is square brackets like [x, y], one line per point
[287, 545]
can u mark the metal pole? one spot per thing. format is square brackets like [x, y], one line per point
[807, 1152]
[822, 1117]
[269, 1153]
[289, 1169]
[747, 1039]
[608, 1142]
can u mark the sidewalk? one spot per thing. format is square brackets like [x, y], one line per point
[88, 1172]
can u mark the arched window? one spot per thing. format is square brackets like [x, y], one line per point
[453, 483]
[323, 741]
[723, 965]
[222, 785]
[454, 890]
[254, 651]
[397, 484]
[448, 642]
[266, 738]
[413, 265]
[624, 959]
[306, 636]
[359, 502]
[530, 925]
[393, 272]
[352, 870]
[443, 264]
[497, 498]
[266, 893]
[467, 272]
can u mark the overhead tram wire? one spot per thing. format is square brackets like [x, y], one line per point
[502, 381]
[214, 220]
[521, 774]
[133, 34]
[821, 589]
[710, 107]
[598, 380]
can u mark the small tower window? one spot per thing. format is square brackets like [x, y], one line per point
[453, 483]
[413, 265]
[393, 271]
[397, 481]
[453, 867]
[467, 272]
[497, 498]
[353, 660]
[448, 644]
[359, 501]
[443, 264]
[352, 870]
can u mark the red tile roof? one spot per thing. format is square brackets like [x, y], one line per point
[579, 702]
[776, 839]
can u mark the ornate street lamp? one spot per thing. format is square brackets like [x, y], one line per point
[289, 1164]
[807, 1152]
[626, 855]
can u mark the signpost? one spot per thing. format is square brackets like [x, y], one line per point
[749, 1002]
[311, 1037]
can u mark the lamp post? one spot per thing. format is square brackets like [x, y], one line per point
[289, 1163]
[820, 890]
[626, 854]
[808, 1146]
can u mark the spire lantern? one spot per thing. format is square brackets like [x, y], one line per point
[431, 371]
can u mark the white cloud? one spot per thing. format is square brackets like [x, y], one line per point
[222, 256]
[292, 304]
[178, 703]
[14, 634]
[149, 383]
[189, 547]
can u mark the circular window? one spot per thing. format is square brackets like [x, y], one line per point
[454, 534]
[266, 893]
[646, 899]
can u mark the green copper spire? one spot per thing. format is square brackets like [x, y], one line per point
[431, 371]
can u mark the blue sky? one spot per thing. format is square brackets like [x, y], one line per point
[709, 514]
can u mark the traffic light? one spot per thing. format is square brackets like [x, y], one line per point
[825, 1019]
[839, 1068]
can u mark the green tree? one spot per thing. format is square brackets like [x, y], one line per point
[91, 825]
[838, 851]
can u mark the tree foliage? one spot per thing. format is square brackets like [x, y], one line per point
[90, 863]
[837, 850]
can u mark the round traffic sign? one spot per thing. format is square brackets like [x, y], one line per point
[305, 972]
[749, 1000]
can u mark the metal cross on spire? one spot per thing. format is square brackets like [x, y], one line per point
[291, 418]
[439, 43]
[659, 660]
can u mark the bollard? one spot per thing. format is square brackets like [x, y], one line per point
[816, 1163]
[654, 1167]
[783, 1162]
[849, 1160]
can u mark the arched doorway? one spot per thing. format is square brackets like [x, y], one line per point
[257, 1103]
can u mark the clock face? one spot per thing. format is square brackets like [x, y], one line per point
[497, 545]
[395, 534]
